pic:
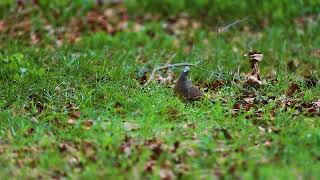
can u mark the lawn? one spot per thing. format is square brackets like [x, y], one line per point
[78, 101]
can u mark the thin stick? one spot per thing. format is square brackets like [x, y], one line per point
[166, 67]
[154, 70]
[176, 65]
[226, 28]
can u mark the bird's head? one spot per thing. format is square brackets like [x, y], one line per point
[184, 74]
[186, 69]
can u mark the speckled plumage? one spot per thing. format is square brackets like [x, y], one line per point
[184, 88]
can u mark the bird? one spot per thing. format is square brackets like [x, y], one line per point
[184, 88]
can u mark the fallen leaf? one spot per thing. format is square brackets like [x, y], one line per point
[172, 112]
[126, 146]
[20, 163]
[87, 124]
[272, 76]
[214, 85]
[149, 166]
[34, 38]
[316, 53]
[317, 104]
[237, 106]
[226, 133]
[249, 100]
[166, 174]
[232, 169]
[73, 161]
[247, 107]
[254, 80]
[71, 121]
[2, 149]
[63, 147]
[2, 26]
[262, 130]
[89, 150]
[304, 20]
[30, 131]
[293, 65]
[267, 143]
[191, 152]
[293, 88]
[254, 55]
[130, 126]
[311, 81]
[169, 79]
[156, 146]
[137, 27]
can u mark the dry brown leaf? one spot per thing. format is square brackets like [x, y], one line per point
[247, 107]
[63, 147]
[87, 124]
[317, 104]
[249, 100]
[130, 126]
[73, 116]
[137, 27]
[71, 121]
[30, 131]
[34, 38]
[168, 80]
[89, 150]
[293, 88]
[156, 146]
[254, 55]
[2, 149]
[166, 174]
[316, 53]
[253, 80]
[126, 146]
[304, 20]
[214, 85]
[24, 25]
[2, 26]
[237, 106]
[267, 143]
[191, 152]
[149, 166]
[293, 64]
[262, 130]
[73, 161]
[257, 57]
[110, 13]
[311, 81]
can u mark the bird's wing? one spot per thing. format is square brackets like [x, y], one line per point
[194, 93]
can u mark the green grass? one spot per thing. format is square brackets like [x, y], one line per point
[42, 84]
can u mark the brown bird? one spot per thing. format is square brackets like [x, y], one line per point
[184, 88]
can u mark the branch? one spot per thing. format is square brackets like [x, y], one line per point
[176, 65]
[166, 67]
[226, 28]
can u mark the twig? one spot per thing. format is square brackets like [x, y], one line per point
[176, 65]
[166, 67]
[226, 28]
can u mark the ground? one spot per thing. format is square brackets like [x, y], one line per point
[77, 100]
